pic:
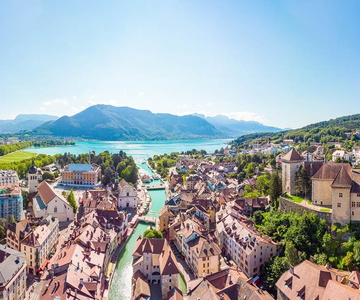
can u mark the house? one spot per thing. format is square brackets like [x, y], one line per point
[227, 284]
[35, 242]
[12, 274]
[8, 177]
[240, 241]
[155, 263]
[340, 155]
[98, 199]
[310, 281]
[47, 202]
[127, 197]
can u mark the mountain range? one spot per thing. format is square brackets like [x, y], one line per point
[106, 122]
[24, 122]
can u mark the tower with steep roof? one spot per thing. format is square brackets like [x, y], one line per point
[291, 163]
[33, 180]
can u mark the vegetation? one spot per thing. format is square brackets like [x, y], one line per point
[153, 234]
[110, 164]
[72, 201]
[322, 132]
[162, 163]
[22, 166]
[16, 156]
[2, 229]
[51, 143]
[5, 149]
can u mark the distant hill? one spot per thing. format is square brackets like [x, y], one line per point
[106, 122]
[322, 132]
[236, 128]
[24, 122]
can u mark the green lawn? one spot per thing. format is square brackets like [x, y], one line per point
[325, 209]
[16, 156]
[294, 198]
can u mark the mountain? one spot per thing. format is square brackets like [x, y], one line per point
[106, 122]
[236, 128]
[24, 122]
[321, 132]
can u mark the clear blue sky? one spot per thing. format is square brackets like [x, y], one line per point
[284, 63]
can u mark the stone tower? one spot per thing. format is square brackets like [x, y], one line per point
[33, 179]
[291, 163]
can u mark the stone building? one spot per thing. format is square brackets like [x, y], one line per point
[291, 163]
[154, 264]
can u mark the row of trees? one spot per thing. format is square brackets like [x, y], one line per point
[6, 149]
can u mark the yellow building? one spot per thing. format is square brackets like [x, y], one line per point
[81, 174]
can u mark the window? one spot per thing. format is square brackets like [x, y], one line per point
[55, 209]
[357, 195]
[352, 213]
[340, 195]
[352, 204]
[339, 204]
[357, 204]
[255, 270]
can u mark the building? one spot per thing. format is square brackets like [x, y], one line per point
[165, 218]
[227, 284]
[35, 242]
[8, 177]
[310, 281]
[11, 202]
[33, 179]
[239, 239]
[340, 155]
[154, 264]
[12, 274]
[98, 199]
[47, 202]
[128, 197]
[291, 162]
[336, 185]
[81, 174]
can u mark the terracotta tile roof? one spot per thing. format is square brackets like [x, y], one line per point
[175, 294]
[342, 179]
[142, 287]
[46, 192]
[337, 291]
[309, 279]
[292, 155]
[329, 170]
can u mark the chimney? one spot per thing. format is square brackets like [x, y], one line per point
[291, 270]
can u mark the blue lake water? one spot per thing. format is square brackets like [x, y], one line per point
[140, 150]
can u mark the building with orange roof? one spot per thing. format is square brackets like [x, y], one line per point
[154, 259]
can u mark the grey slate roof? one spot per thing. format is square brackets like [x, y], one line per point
[11, 261]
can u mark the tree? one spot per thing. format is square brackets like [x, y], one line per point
[153, 234]
[2, 228]
[275, 187]
[320, 259]
[72, 202]
[109, 176]
[12, 219]
[348, 261]
[26, 200]
[48, 176]
[291, 254]
[274, 268]
[302, 183]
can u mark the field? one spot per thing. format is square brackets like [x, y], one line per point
[16, 156]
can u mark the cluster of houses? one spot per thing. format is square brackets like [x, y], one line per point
[206, 226]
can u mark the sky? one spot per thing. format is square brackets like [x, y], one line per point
[282, 63]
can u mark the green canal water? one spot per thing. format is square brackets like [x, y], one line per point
[121, 284]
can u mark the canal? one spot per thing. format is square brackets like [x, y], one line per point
[121, 284]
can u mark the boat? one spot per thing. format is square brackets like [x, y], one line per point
[146, 178]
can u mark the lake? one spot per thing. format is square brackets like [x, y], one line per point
[140, 150]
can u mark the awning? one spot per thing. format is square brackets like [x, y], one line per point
[44, 264]
[109, 269]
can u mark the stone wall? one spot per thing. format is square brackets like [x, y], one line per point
[286, 205]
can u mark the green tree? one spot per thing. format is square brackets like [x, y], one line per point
[12, 219]
[153, 234]
[348, 261]
[2, 228]
[320, 259]
[108, 177]
[302, 183]
[275, 187]
[291, 253]
[72, 201]
[48, 176]
[273, 269]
